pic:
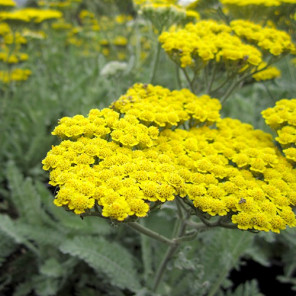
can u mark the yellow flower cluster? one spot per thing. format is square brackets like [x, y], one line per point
[266, 3]
[208, 40]
[107, 123]
[231, 169]
[14, 75]
[30, 15]
[88, 19]
[7, 3]
[163, 108]
[282, 118]
[234, 169]
[88, 168]
[251, 2]
[274, 41]
[8, 37]
[13, 58]
[99, 160]
[266, 73]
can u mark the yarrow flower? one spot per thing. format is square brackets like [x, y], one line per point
[274, 41]
[163, 108]
[282, 118]
[7, 3]
[121, 160]
[15, 75]
[34, 15]
[205, 41]
[266, 72]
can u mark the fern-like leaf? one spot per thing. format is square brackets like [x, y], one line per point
[249, 288]
[222, 251]
[23, 195]
[7, 247]
[109, 258]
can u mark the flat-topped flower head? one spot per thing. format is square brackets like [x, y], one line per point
[13, 58]
[253, 184]
[282, 118]
[120, 161]
[27, 15]
[274, 41]
[7, 4]
[160, 107]
[266, 72]
[205, 41]
[251, 2]
[16, 75]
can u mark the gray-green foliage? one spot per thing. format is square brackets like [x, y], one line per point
[288, 241]
[249, 288]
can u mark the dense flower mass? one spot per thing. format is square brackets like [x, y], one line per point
[233, 169]
[30, 15]
[266, 3]
[251, 2]
[282, 118]
[163, 108]
[266, 72]
[123, 159]
[208, 40]
[15, 75]
[274, 41]
[12, 58]
[7, 3]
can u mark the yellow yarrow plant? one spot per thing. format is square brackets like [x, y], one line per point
[121, 161]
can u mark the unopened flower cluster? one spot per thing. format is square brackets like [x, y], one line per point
[155, 145]
[163, 13]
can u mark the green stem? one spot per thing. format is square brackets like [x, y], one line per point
[155, 63]
[206, 75]
[146, 254]
[209, 87]
[152, 234]
[169, 253]
[224, 82]
[179, 208]
[178, 77]
[269, 92]
[230, 90]
[188, 79]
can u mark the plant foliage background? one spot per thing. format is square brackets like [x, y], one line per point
[46, 251]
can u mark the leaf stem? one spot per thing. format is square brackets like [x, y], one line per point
[209, 86]
[179, 82]
[188, 79]
[155, 63]
[155, 235]
[169, 253]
